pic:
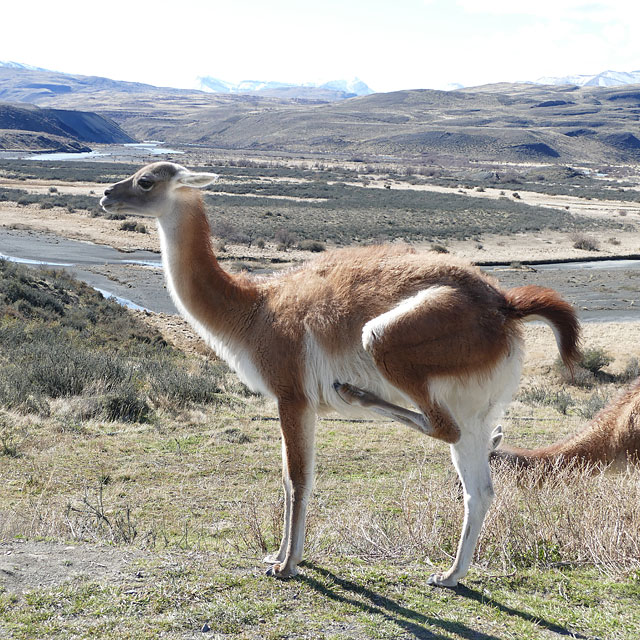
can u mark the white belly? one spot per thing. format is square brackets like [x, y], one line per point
[355, 367]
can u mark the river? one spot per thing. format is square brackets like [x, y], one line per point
[601, 291]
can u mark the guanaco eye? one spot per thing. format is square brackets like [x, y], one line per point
[145, 184]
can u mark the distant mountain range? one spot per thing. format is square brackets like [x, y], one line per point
[604, 79]
[8, 64]
[333, 90]
[322, 92]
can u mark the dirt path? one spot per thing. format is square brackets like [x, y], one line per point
[44, 186]
[28, 565]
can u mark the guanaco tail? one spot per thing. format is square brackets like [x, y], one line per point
[422, 339]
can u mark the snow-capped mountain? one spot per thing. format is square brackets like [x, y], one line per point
[356, 86]
[9, 64]
[341, 88]
[604, 79]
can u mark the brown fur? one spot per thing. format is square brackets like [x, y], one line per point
[459, 333]
[611, 439]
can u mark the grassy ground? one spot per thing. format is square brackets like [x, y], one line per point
[174, 596]
[146, 507]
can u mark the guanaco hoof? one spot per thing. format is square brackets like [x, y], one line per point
[353, 395]
[437, 580]
[274, 572]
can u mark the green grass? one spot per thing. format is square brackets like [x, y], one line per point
[61, 339]
[176, 595]
[191, 495]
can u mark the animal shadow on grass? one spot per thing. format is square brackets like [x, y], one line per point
[479, 597]
[417, 624]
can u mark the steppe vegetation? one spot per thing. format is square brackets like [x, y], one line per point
[140, 486]
[330, 203]
[111, 436]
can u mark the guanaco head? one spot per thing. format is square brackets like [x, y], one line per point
[152, 190]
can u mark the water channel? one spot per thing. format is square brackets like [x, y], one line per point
[601, 291]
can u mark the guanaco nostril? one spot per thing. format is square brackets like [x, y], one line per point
[108, 191]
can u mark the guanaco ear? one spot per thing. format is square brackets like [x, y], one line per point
[192, 179]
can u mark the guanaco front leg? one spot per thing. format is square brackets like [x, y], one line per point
[275, 558]
[297, 422]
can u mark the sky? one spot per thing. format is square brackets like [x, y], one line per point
[390, 45]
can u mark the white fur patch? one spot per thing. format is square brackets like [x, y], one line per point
[477, 403]
[375, 328]
[354, 366]
[236, 356]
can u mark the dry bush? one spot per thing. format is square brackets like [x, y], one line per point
[574, 518]
[584, 242]
[565, 516]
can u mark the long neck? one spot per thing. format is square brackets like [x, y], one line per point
[218, 301]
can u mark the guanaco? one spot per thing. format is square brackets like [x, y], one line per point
[426, 340]
[610, 441]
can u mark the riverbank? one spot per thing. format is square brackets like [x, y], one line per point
[129, 266]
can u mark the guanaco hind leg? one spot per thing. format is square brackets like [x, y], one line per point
[432, 421]
[356, 396]
[470, 457]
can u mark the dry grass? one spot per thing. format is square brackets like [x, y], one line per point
[201, 479]
[574, 519]
[213, 486]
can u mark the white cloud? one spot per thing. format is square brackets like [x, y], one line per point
[410, 44]
[553, 9]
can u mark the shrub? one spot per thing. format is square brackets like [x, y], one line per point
[542, 396]
[130, 225]
[631, 371]
[284, 238]
[587, 370]
[438, 248]
[224, 230]
[595, 360]
[311, 245]
[595, 403]
[125, 405]
[178, 388]
[585, 243]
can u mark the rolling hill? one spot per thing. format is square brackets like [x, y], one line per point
[27, 127]
[508, 122]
